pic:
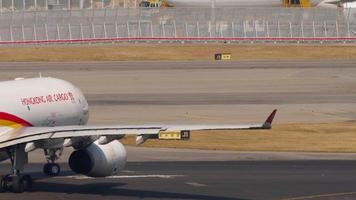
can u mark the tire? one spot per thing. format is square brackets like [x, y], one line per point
[4, 183]
[51, 169]
[17, 184]
[45, 169]
[28, 182]
[55, 169]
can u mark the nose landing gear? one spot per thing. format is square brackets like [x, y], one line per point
[52, 168]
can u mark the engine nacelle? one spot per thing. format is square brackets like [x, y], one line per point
[99, 160]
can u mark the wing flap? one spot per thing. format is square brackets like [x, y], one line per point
[42, 133]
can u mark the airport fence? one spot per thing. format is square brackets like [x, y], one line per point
[31, 5]
[177, 24]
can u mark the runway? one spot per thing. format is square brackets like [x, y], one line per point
[195, 92]
[203, 180]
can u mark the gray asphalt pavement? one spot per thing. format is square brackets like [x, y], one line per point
[147, 154]
[206, 91]
[174, 65]
[203, 181]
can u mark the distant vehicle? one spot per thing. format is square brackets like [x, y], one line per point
[50, 114]
[150, 4]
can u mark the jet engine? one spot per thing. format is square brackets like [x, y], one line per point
[99, 160]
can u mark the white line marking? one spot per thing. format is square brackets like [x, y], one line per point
[127, 171]
[80, 177]
[195, 184]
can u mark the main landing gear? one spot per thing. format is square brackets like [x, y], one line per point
[16, 182]
[52, 168]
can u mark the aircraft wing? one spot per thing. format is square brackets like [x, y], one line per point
[32, 134]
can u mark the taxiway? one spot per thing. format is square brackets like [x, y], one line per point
[205, 92]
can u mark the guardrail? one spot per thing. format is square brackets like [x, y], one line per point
[182, 40]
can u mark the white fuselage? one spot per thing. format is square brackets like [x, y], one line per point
[349, 5]
[224, 3]
[242, 3]
[350, 13]
[41, 102]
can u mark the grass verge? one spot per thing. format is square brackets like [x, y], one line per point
[177, 52]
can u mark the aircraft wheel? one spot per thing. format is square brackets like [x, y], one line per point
[51, 169]
[3, 183]
[16, 183]
[28, 182]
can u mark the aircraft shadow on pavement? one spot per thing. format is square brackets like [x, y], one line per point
[111, 189]
[42, 184]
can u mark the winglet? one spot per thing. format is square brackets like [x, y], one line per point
[269, 120]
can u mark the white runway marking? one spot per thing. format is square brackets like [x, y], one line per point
[195, 184]
[127, 171]
[79, 177]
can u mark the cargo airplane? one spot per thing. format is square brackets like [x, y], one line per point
[261, 3]
[51, 114]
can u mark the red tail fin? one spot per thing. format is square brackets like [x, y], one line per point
[269, 120]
